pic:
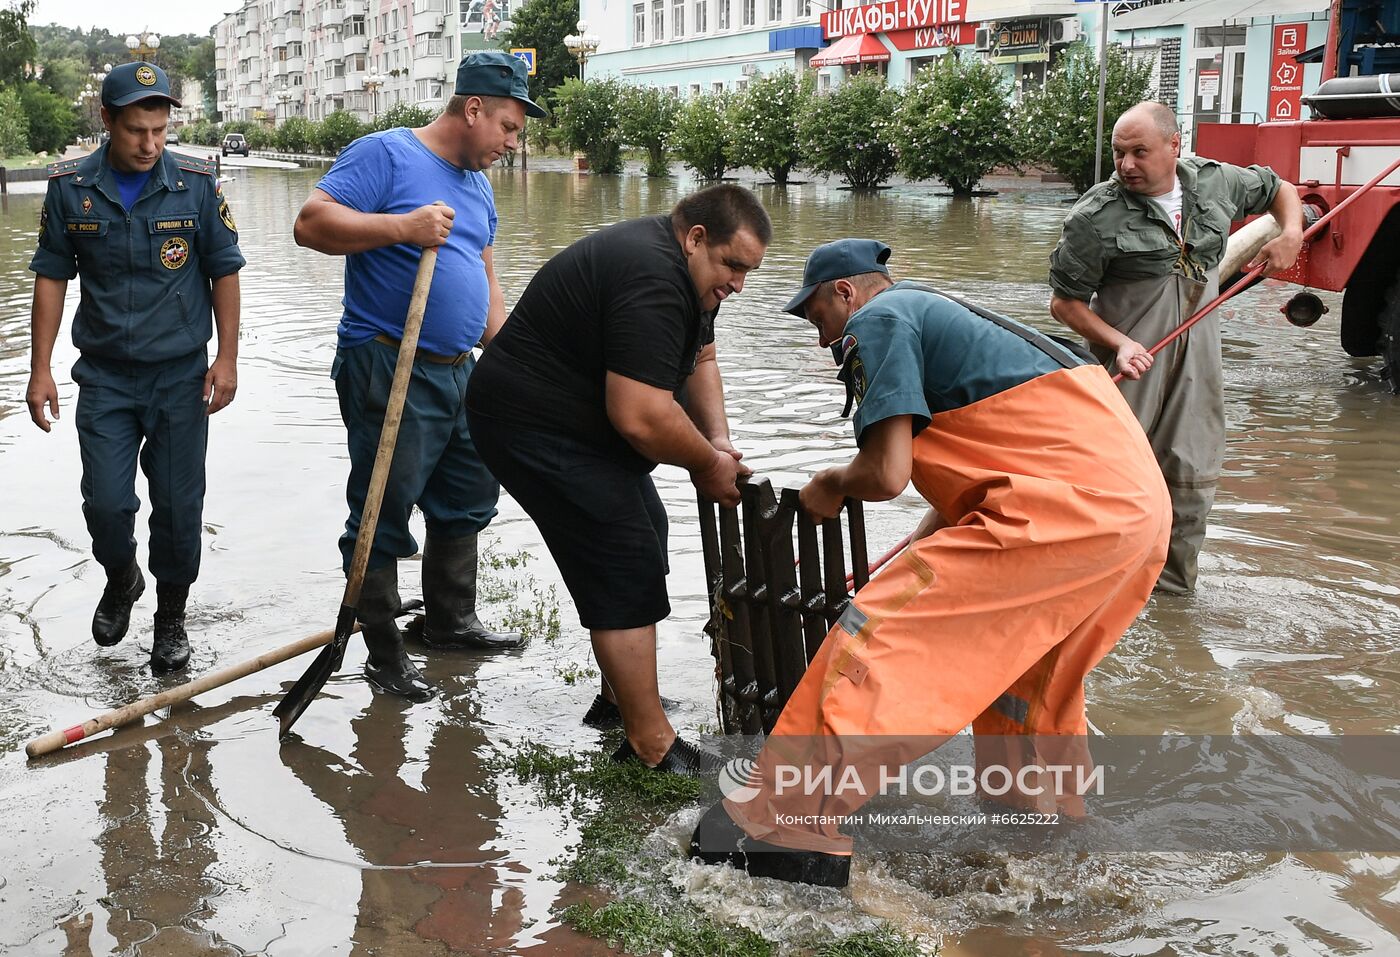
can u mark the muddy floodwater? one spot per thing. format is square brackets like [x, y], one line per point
[383, 830]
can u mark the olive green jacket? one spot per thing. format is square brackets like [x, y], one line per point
[1113, 235]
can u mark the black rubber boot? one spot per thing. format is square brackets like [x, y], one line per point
[113, 615]
[604, 714]
[388, 667]
[681, 758]
[170, 651]
[449, 592]
[718, 840]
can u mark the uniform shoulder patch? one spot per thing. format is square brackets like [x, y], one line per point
[62, 168]
[193, 164]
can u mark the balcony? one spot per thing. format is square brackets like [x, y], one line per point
[359, 44]
[355, 79]
[333, 50]
[332, 16]
[296, 64]
[294, 34]
[427, 21]
[334, 86]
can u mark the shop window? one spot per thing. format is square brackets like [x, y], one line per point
[639, 23]
[1221, 36]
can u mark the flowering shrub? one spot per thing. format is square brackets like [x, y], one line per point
[850, 131]
[588, 117]
[764, 122]
[1057, 121]
[702, 135]
[649, 123]
[955, 123]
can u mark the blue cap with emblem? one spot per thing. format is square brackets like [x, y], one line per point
[494, 73]
[838, 260]
[133, 82]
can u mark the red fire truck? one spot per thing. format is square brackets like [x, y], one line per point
[1354, 136]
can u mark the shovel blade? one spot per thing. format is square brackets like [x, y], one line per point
[308, 686]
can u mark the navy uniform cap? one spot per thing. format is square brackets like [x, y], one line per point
[494, 73]
[133, 82]
[840, 259]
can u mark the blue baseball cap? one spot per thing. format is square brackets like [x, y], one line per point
[494, 73]
[840, 259]
[133, 82]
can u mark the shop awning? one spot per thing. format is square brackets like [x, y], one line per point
[1214, 11]
[856, 48]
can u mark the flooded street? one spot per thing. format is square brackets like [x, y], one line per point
[384, 830]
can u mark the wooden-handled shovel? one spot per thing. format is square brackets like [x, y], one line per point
[328, 661]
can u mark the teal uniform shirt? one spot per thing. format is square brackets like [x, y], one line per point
[911, 352]
[146, 272]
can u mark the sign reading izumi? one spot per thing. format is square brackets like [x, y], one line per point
[892, 16]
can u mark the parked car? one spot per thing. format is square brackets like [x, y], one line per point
[235, 143]
[172, 138]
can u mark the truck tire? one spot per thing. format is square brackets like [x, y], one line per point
[1370, 290]
[1389, 321]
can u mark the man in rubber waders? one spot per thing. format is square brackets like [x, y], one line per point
[376, 206]
[1048, 524]
[606, 368]
[152, 240]
[1138, 255]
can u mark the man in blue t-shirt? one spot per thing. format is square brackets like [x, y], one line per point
[376, 207]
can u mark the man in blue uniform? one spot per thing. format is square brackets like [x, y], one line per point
[377, 208]
[156, 248]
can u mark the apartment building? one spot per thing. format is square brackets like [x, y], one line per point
[281, 58]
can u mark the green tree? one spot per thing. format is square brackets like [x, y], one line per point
[404, 114]
[543, 24]
[765, 119]
[339, 130]
[297, 134]
[850, 131]
[14, 125]
[66, 76]
[199, 65]
[52, 122]
[955, 123]
[18, 49]
[589, 120]
[1056, 125]
[649, 123]
[702, 139]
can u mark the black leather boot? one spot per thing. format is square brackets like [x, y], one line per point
[449, 592]
[113, 615]
[170, 651]
[388, 667]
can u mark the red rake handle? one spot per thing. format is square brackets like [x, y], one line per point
[884, 559]
[1254, 273]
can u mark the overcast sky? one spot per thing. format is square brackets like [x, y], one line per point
[134, 16]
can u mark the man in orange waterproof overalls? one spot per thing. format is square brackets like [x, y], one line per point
[1049, 525]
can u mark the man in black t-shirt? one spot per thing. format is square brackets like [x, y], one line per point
[605, 368]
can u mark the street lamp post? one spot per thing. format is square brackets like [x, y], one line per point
[283, 98]
[372, 84]
[582, 45]
[144, 46]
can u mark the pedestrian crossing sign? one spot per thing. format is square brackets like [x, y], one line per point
[528, 55]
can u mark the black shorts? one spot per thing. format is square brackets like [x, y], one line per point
[604, 525]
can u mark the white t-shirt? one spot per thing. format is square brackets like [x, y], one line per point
[1170, 205]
